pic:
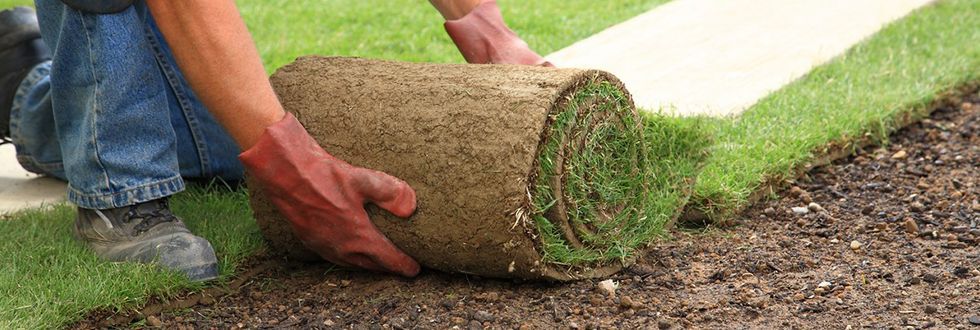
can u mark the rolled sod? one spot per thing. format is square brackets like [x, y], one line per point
[524, 172]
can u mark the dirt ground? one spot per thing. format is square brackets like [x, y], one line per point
[887, 238]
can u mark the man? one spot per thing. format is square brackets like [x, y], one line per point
[125, 98]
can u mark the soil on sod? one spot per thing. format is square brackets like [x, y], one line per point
[890, 241]
[520, 171]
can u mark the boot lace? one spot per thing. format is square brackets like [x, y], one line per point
[149, 219]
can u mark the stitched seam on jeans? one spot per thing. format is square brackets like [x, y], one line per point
[185, 107]
[34, 163]
[35, 75]
[95, 103]
[165, 187]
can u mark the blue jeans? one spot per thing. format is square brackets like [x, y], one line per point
[111, 113]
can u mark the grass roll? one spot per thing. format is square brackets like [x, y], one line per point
[524, 172]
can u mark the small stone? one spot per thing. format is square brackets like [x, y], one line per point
[931, 309]
[815, 207]
[627, 302]
[663, 325]
[799, 210]
[819, 291]
[769, 211]
[930, 278]
[867, 210]
[911, 227]
[483, 316]
[153, 321]
[975, 319]
[573, 325]
[917, 207]
[475, 325]
[328, 323]
[855, 245]
[608, 287]
[901, 154]
[824, 284]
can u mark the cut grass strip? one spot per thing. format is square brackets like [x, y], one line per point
[866, 93]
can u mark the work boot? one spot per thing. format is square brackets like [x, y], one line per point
[21, 48]
[483, 38]
[147, 233]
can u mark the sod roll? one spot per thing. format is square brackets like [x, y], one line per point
[520, 171]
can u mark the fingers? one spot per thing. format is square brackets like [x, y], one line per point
[376, 252]
[387, 192]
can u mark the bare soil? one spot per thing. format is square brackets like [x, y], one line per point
[889, 241]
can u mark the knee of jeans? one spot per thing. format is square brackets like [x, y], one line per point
[99, 6]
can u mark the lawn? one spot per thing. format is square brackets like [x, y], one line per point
[859, 97]
[48, 281]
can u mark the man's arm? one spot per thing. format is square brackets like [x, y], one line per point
[481, 35]
[322, 197]
[217, 55]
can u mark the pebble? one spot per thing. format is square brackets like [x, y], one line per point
[815, 207]
[855, 245]
[917, 207]
[769, 211]
[901, 154]
[475, 325]
[799, 210]
[975, 319]
[627, 302]
[824, 284]
[608, 287]
[153, 321]
[483, 316]
[931, 309]
[911, 227]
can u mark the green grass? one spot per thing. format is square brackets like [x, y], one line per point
[617, 193]
[47, 280]
[862, 93]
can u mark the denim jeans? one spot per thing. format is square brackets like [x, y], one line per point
[111, 113]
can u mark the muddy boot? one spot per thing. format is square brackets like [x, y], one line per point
[147, 233]
[483, 38]
[21, 48]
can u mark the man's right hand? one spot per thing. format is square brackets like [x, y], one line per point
[323, 197]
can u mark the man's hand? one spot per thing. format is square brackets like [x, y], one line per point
[323, 197]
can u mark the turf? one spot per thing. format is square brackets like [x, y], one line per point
[610, 164]
[863, 94]
[49, 281]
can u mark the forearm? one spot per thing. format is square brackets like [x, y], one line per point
[218, 57]
[454, 9]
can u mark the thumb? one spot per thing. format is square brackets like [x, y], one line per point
[386, 191]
